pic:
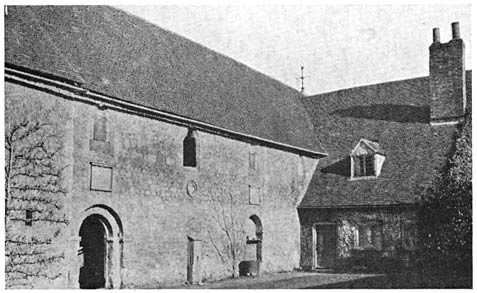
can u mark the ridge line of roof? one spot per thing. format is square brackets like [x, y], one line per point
[373, 84]
[369, 85]
[175, 117]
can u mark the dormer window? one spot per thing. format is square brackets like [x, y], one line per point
[364, 166]
[367, 159]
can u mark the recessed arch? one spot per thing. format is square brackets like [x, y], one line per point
[110, 214]
[258, 224]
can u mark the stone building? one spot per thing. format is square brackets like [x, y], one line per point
[171, 153]
[386, 142]
[182, 165]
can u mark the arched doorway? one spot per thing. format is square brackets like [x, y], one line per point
[93, 247]
[100, 249]
[258, 236]
[253, 250]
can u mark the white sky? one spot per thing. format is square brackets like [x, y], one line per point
[341, 46]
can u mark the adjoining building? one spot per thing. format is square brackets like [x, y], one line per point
[179, 163]
[386, 142]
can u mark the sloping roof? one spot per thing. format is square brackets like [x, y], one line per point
[111, 52]
[397, 115]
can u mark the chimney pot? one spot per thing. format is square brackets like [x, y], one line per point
[455, 30]
[436, 36]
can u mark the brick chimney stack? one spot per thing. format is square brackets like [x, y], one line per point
[447, 77]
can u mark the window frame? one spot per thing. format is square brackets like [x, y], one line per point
[412, 232]
[360, 167]
[376, 241]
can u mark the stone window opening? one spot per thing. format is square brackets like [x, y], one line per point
[190, 149]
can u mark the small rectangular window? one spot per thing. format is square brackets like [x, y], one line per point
[28, 217]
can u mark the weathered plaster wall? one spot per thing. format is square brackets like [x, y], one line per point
[345, 220]
[149, 191]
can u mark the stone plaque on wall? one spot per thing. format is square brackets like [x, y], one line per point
[254, 196]
[101, 178]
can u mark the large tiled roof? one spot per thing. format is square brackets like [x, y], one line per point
[111, 52]
[396, 114]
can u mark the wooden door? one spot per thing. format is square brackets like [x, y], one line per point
[325, 245]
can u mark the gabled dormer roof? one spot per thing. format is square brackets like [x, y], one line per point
[365, 146]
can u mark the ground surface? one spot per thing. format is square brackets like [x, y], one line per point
[287, 280]
[313, 280]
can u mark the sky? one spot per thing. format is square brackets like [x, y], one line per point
[340, 46]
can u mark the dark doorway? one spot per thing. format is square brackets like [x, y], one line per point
[93, 249]
[190, 261]
[325, 245]
[258, 237]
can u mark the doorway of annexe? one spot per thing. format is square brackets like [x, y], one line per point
[324, 245]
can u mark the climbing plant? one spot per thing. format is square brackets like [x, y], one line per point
[34, 195]
[228, 233]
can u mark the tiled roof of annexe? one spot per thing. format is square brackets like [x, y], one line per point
[396, 114]
[111, 52]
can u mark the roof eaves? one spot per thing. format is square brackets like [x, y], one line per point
[101, 98]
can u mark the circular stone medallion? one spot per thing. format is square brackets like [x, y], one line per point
[191, 188]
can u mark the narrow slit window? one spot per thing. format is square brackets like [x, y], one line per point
[28, 217]
[253, 161]
[190, 150]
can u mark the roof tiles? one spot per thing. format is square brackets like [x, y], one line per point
[397, 115]
[108, 51]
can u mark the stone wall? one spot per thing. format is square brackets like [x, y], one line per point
[156, 202]
[390, 219]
